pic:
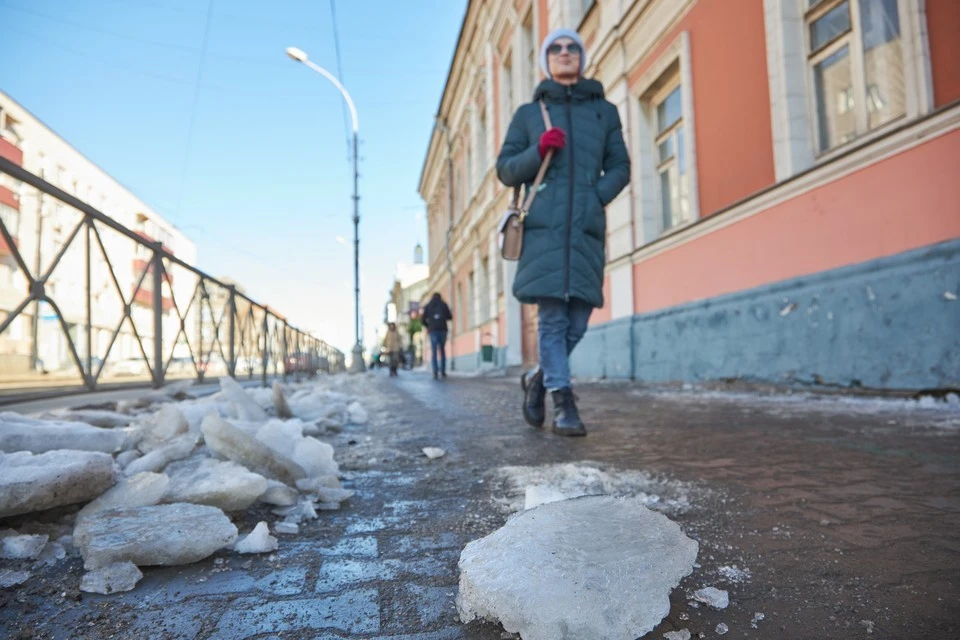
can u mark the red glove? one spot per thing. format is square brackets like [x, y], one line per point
[552, 139]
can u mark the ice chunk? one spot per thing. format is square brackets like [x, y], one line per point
[162, 427]
[52, 553]
[98, 418]
[433, 452]
[20, 433]
[683, 634]
[303, 510]
[313, 485]
[591, 567]
[178, 449]
[539, 494]
[716, 598]
[279, 494]
[280, 402]
[22, 547]
[10, 578]
[246, 407]
[326, 494]
[166, 534]
[114, 578]
[233, 443]
[30, 483]
[286, 438]
[722, 629]
[356, 414]
[139, 490]
[125, 458]
[258, 541]
[288, 528]
[225, 485]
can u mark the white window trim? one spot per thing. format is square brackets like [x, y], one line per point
[791, 82]
[645, 176]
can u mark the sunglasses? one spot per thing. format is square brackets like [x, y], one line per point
[557, 48]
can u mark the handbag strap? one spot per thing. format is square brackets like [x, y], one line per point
[540, 174]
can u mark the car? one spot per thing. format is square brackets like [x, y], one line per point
[127, 367]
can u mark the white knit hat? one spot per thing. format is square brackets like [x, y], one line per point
[555, 35]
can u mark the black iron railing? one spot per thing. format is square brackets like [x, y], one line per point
[173, 333]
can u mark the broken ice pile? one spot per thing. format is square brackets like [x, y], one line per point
[590, 567]
[157, 477]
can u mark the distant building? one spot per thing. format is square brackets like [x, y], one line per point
[35, 337]
[794, 209]
[410, 288]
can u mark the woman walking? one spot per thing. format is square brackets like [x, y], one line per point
[561, 266]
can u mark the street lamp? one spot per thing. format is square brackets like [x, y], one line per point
[300, 56]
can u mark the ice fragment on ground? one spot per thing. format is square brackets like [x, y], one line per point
[115, 578]
[591, 567]
[177, 449]
[30, 483]
[734, 574]
[51, 554]
[225, 485]
[683, 634]
[303, 510]
[10, 578]
[356, 414]
[22, 547]
[433, 452]
[287, 528]
[716, 598]
[949, 295]
[139, 490]
[166, 534]
[757, 618]
[234, 444]
[722, 629]
[257, 541]
[280, 402]
[539, 494]
[245, 406]
[20, 433]
[313, 485]
[279, 494]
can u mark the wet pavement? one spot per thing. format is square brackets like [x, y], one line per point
[833, 519]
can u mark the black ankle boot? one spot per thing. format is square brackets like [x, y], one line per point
[566, 418]
[534, 398]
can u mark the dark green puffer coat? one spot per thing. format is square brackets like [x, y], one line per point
[565, 231]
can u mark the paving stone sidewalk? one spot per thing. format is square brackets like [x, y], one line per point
[840, 518]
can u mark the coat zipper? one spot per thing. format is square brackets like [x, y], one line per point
[573, 173]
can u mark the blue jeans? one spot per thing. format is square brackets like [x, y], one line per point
[438, 345]
[561, 325]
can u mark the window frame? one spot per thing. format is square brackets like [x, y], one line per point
[671, 164]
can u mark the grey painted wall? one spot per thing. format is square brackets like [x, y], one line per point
[886, 324]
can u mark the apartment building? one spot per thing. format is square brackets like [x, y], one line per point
[44, 229]
[793, 214]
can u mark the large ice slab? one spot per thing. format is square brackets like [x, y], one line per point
[98, 418]
[177, 449]
[166, 534]
[591, 567]
[162, 427]
[20, 433]
[280, 402]
[30, 483]
[140, 490]
[286, 437]
[115, 578]
[235, 444]
[225, 485]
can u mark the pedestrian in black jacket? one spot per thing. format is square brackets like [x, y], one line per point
[435, 317]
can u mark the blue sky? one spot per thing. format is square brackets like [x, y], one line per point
[263, 185]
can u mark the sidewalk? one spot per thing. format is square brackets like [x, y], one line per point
[833, 518]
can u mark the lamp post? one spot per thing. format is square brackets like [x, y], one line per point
[300, 56]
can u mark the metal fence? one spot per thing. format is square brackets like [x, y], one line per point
[105, 303]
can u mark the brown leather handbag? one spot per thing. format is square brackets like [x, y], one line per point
[511, 227]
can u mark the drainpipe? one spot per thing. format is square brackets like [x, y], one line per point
[442, 125]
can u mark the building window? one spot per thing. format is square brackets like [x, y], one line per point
[470, 304]
[481, 149]
[529, 47]
[11, 219]
[461, 308]
[855, 54]
[673, 178]
[506, 91]
[484, 289]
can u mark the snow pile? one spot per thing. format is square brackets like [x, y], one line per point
[157, 476]
[591, 567]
